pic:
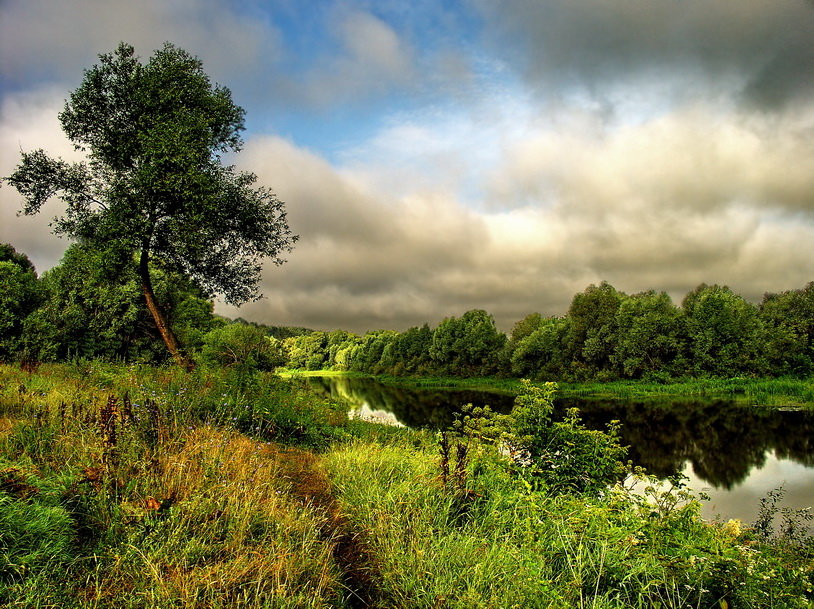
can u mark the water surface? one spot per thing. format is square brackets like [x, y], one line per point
[734, 453]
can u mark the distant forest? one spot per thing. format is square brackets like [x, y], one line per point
[82, 309]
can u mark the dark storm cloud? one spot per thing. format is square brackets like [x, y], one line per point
[762, 50]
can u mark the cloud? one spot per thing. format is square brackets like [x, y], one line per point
[691, 161]
[670, 146]
[363, 255]
[759, 49]
[28, 121]
[666, 204]
[55, 40]
[371, 59]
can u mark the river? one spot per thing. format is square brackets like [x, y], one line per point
[734, 453]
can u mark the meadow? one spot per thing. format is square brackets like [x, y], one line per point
[141, 487]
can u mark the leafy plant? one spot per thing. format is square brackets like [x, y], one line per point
[564, 456]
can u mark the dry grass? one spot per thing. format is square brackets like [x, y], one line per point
[6, 425]
[221, 530]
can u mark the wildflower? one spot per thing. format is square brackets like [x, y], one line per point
[733, 527]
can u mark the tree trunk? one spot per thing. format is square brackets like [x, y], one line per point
[174, 347]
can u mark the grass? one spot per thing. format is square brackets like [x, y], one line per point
[175, 507]
[513, 548]
[142, 487]
[777, 392]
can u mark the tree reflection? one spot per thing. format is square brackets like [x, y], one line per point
[723, 441]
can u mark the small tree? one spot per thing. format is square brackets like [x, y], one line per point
[153, 188]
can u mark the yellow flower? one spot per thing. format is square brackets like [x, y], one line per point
[733, 527]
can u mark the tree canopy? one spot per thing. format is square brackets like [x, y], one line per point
[153, 186]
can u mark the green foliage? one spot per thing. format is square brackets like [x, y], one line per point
[722, 331]
[593, 328]
[607, 335]
[467, 345]
[793, 530]
[556, 456]
[165, 504]
[307, 351]
[241, 345]
[91, 310]
[9, 254]
[541, 353]
[20, 295]
[648, 336]
[525, 327]
[188, 512]
[522, 548]
[788, 320]
[563, 456]
[36, 533]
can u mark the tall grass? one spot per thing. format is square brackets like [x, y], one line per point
[513, 548]
[133, 487]
[143, 487]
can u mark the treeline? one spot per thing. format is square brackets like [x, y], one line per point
[605, 335]
[88, 307]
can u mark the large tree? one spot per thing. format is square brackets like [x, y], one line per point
[153, 187]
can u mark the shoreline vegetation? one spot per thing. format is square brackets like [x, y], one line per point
[145, 487]
[794, 393]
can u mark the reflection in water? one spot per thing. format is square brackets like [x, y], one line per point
[722, 441]
[716, 442]
[434, 408]
[743, 501]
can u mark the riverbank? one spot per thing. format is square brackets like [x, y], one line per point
[140, 487]
[792, 393]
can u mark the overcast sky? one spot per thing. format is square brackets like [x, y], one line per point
[440, 156]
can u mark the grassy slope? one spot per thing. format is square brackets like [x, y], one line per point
[172, 510]
[189, 507]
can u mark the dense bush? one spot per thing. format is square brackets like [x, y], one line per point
[562, 455]
[242, 346]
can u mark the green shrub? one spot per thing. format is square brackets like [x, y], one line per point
[563, 456]
[241, 345]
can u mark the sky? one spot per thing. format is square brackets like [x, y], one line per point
[442, 156]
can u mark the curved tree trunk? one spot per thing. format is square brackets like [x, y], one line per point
[174, 347]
